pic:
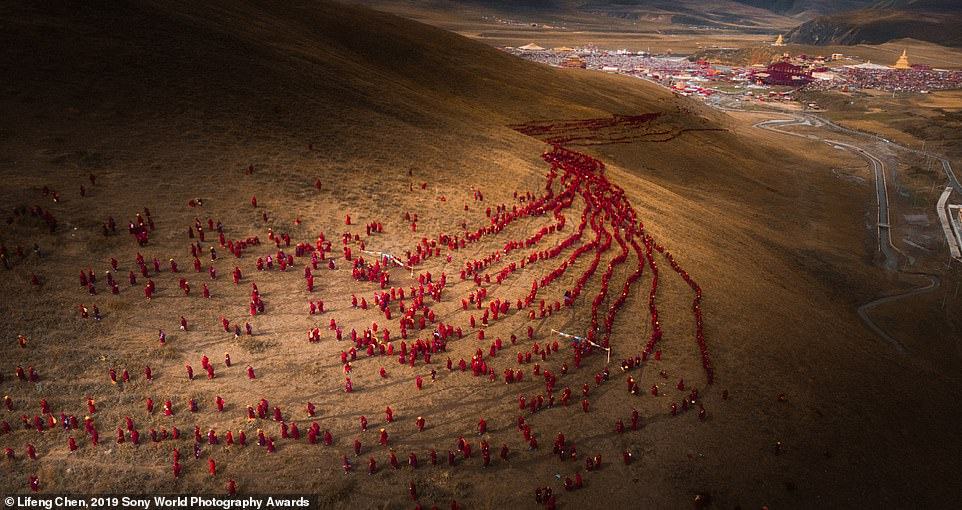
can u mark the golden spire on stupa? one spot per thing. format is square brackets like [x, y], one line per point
[780, 41]
[903, 61]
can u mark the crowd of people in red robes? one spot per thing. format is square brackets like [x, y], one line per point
[572, 178]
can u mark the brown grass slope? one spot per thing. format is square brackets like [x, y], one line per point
[167, 101]
[629, 16]
[936, 22]
[807, 8]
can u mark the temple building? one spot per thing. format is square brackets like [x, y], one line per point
[574, 61]
[785, 74]
[903, 61]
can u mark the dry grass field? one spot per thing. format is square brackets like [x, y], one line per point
[654, 29]
[907, 118]
[648, 33]
[170, 101]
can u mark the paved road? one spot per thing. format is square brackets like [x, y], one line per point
[883, 222]
[884, 231]
[946, 164]
[810, 119]
[950, 176]
[950, 227]
[934, 282]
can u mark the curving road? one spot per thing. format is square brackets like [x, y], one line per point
[946, 164]
[934, 282]
[884, 230]
[883, 222]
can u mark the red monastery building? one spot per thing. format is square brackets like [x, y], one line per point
[785, 73]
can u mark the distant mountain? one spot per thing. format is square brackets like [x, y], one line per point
[714, 14]
[795, 8]
[933, 5]
[936, 21]
[735, 15]
[803, 8]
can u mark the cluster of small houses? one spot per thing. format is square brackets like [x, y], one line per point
[701, 77]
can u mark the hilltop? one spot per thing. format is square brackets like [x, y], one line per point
[629, 16]
[935, 21]
[804, 9]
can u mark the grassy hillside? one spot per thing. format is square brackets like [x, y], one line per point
[639, 16]
[170, 101]
[935, 22]
[807, 8]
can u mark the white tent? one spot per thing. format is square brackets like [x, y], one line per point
[869, 66]
[531, 47]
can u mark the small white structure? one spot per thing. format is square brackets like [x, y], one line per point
[869, 66]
